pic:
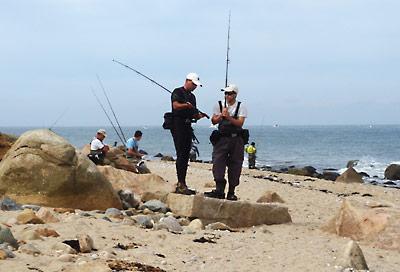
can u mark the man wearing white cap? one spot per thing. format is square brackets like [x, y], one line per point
[98, 149]
[229, 147]
[184, 111]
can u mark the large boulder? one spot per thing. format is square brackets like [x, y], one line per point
[42, 168]
[379, 227]
[392, 172]
[236, 214]
[350, 176]
[305, 171]
[139, 184]
[6, 141]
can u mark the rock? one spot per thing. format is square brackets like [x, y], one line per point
[68, 258]
[30, 234]
[128, 200]
[162, 196]
[63, 248]
[3, 254]
[31, 207]
[28, 217]
[144, 221]
[128, 221]
[392, 172]
[167, 158]
[269, 197]
[183, 221]
[85, 243]
[64, 210]
[352, 163]
[45, 232]
[196, 225]
[364, 175]
[356, 224]
[6, 251]
[233, 213]
[218, 226]
[7, 237]
[138, 184]
[7, 204]
[47, 215]
[6, 141]
[172, 224]
[330, 175]
[29, 249]
[305, 171]
[158, 155]
[42, 168]
[155, 206]
[113, 213]
[354, 257]
[350, 176]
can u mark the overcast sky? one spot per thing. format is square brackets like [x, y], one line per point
[295, 62]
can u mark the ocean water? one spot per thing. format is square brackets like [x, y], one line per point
[319, 146]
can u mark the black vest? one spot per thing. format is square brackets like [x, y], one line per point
[224, 126]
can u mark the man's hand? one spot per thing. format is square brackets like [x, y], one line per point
[189, 105]
[225, 113]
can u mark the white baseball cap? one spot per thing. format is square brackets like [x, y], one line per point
[231, 88]
[102, 131]
[194, 78]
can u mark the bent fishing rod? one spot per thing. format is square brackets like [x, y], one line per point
[59, 117]
[152, 80]
[108, 117]
[112, 110]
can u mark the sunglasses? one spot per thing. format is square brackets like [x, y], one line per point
[230, 93]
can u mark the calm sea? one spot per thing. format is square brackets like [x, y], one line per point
[319, 146]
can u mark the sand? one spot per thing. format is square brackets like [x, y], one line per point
[299, 246]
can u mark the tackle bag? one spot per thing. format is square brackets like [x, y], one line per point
[168, 120]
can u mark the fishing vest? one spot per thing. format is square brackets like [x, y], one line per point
[224, 126]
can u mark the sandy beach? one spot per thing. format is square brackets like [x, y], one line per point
[297, 246]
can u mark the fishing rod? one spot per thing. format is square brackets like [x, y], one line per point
[59, 117]
[108, 117]
[152, 80]
[227, 55]
[227, 51]
[112, 110]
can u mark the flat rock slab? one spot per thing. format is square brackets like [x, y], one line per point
[235, 214]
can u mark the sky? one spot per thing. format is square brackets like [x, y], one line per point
[296, 62]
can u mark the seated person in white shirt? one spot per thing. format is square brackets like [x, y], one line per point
[98, 149]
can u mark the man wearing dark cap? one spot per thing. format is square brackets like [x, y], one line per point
[184, 111]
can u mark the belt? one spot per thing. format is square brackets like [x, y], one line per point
[230, 135]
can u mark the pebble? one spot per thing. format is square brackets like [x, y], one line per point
[63, 248]
[144, 221]
[66, 258]
[113, 213]
[6, 236]
[30, 249]
[196, 225]
[155, 206]
[172, 224]
[85, 243]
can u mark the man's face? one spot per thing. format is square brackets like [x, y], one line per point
[100, 136]
[190, 86]
[230, 96]
[138, 138]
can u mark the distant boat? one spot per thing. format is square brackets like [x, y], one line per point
[275, 125]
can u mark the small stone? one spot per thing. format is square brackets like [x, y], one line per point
[183, 221]
[7, 237]
[187, 230]
[28, 216]
[3, 254]
[147, 211]
[7, 204]
[113, 213]
[196, 225]
[172, 224]
[353, 257]
[31, 207]
[29, 249]
[63, 248]
[128, 221]
[45, 232]
[155, 206]
[85, 243]
[144, 221]
[47, 215]
[218, 226]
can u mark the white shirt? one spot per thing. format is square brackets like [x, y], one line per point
[96, 144]
[231, 109]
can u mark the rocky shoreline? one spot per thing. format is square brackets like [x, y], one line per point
[282, 221]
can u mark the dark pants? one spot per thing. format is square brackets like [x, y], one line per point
[228, 152]
[182, 135]
[252, 161]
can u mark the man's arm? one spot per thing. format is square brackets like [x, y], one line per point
[134, 152]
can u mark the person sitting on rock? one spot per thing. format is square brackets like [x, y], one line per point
[98, 149]
[132, 145]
